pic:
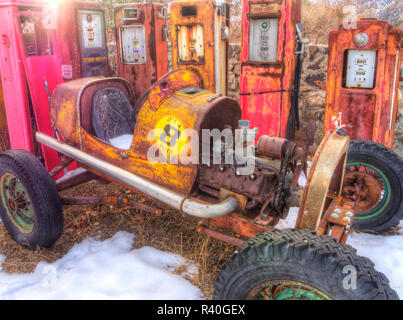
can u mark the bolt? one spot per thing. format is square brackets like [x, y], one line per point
[252, 177]
[306, 213]
[335, 215]
[347, 219]
[221, 168]
[337, 211]
[350, 214]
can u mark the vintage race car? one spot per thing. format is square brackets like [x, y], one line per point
[144, 146]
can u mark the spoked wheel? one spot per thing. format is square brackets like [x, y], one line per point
[375, 173]
[285, 290]
[17, 203]
[299, 265]
[30, 206]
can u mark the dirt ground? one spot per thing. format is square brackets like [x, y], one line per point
[172, 232]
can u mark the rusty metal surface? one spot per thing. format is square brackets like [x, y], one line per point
[71, 108]
[220, 236]
[241, 225]
[371, 113]
[150, 54]
[75, 181]
[337, 221]
[325, 179]
[266, 88]
[71, 114]
[76, 62]
[363, 188]
[63, 165]
[258, 186]
[197, 44]
[242, 200]
[4, 139]
[272, 147]
[94, 201]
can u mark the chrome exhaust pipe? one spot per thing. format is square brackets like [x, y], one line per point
[190, 206]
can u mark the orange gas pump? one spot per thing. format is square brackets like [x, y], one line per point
[83, 39]
[200, 35]
[364, 67]
[142, 44]
[270, 66]
[362, 98]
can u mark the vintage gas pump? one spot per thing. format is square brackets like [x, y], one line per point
[142, 44]
[30, 71]
[364, 67]
[200, 35]
[83, 39]
[362, 98]
[269, 64]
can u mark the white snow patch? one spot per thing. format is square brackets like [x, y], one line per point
[401, 227]
[291, 220]
[385, 252]
[2, 258]
[104, 270]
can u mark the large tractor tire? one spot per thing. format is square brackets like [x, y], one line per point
[30, 206]
[299, 265]
[379, 172]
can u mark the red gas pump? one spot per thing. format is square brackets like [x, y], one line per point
[362, 98]
[142, 44]
[83, 39]
[28, 36]
[269, 65]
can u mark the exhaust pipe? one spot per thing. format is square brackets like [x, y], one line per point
[190, 206]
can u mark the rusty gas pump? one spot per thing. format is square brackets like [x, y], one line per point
[271, 65]
[83, 39]
[200, 35]
[142, 44]
[362, 98]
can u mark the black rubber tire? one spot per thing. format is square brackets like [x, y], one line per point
[391, 165]
[301, 256]
[48, 211]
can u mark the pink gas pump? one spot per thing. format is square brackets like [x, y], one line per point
[30, 68]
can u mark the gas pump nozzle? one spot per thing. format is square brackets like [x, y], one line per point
[301, 39]
[293, 120]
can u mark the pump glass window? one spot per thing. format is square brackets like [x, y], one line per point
[191, 44]
[130, 14]
[91, 29]
[35, 36]
[263, 38]
[133, 44]
[360, 71]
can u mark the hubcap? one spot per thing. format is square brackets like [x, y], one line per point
[17, 203]
[285, 290]
[374, 190]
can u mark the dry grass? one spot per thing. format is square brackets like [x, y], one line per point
[171, 232]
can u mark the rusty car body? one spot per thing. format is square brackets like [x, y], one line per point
[247, 205]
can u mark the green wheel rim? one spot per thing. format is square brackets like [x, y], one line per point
[286, 290]
[17, 203]
[386, 196]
